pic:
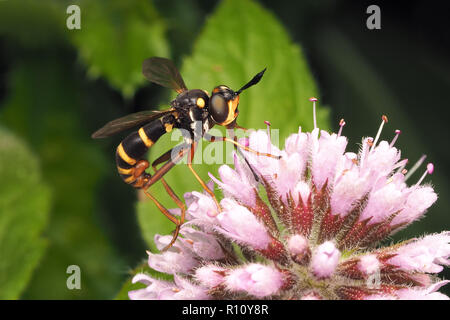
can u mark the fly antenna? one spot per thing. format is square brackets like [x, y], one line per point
[252, 82]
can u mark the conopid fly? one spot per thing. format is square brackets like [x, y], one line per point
[189, 108]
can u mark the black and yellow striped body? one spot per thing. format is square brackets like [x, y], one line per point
[131, 151]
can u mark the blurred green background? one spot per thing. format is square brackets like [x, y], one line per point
[61, 200]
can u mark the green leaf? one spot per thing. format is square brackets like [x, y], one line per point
[240, 39]
[32, 24]
[24, 211]
[44, 108]
[116, 36]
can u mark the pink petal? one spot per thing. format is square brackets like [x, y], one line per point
[178, 258]
[326, 156]
[238, 223]
[418, 201]
[369, 264]
[427, 254]
[385, 201]
[429, 293]
[203, 244]
[255, 279]
[210, 275]
[297, 244]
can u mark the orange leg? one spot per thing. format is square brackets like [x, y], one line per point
[158, 175]
[172, 194]
[199, 179]
[237, 144]
[170, 216]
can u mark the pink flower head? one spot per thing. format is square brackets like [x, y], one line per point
[238, 184]
[210, 276]
[308, 224]
[297, 143]
[297, 244]
[252, 232]
[326, 153]
[369, 264]
[325, 260]
[381, 160]
[302, 190]
[384, 201]
[424, 255]
[298, 247]
[418, 200]
[259, 141]
[154, 290]
[177, 259]
[350, 184]
[180, 289]
[429, 293]
[203, 244]
[255, 279]
[201, 208]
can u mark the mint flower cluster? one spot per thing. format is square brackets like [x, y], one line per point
[309, 225]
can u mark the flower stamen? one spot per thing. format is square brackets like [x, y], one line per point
[341, 124]
[384, 120]
[416, 166]
[314, 110]
[429, 170]
[368, 142]
[402, 169]
[397, 133]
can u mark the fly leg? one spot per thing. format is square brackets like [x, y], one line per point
[199, 179]
[212, 138]
[158, 175]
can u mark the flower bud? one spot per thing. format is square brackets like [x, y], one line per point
[255, 279]
[325, 259]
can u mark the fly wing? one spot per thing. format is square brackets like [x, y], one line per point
[128, 122]
[163, 71]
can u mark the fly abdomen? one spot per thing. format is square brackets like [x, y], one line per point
[131, 151]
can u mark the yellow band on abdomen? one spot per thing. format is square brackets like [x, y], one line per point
[147, 141]
[125, 171]
[130, 179]
[124, 155]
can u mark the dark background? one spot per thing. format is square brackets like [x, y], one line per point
[402, 71]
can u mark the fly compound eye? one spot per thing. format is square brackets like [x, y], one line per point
[218, 108]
